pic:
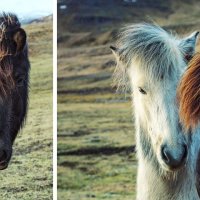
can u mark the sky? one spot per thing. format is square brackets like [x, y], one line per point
[27, 8]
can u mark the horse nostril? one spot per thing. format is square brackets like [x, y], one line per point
[185, 152]
[165, 155]
[174, 158]
[3, 156]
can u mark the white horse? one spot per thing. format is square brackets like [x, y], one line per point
[154, 61]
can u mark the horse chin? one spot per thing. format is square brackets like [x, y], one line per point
[169, 173]
[4, 163]
[173, 169]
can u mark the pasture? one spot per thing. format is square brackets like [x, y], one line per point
[96, 156]
[95, 133]
[29, 175]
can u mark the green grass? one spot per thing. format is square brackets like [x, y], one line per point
[95, 133]
[97, 177]
[29, 175]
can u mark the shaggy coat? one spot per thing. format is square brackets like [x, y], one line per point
[14, 81]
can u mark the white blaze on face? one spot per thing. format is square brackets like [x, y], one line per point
[156, 110]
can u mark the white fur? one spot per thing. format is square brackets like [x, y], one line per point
[154, 61]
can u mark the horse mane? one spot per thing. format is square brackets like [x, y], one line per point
[149, 45]
[8, 24]
[189, 94]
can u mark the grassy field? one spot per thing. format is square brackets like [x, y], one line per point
[29, 175]
[96, 157]
[96, 141]
[95, 131]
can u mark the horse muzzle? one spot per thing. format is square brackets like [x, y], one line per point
[5, 156]
[174, 158]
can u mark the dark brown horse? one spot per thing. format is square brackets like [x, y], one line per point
[14, 79]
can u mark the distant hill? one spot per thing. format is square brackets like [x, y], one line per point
[76, 15]
[32, 19]
[99, 19]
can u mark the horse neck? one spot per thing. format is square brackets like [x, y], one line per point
[152, 186]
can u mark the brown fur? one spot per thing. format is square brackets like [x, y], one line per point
[189, 94]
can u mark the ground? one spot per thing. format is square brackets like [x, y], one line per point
[29, 175]
[95, 130]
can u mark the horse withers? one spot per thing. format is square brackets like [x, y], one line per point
[14, 81]
[152, 61]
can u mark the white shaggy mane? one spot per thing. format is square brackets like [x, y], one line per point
[155, 49]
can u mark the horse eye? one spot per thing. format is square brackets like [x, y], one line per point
[142, 91]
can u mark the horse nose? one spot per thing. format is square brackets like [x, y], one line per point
[3, 156]
[174, 158]
[4, 159]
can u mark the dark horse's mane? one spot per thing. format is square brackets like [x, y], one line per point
[8, 24]
[189, 94]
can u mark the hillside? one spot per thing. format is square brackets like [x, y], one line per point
[86, 15]
[83, 22]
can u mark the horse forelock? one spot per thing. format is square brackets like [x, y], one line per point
[8, 23]
[189, 94]
[6, 79]
[155, 50]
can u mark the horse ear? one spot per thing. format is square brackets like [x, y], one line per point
[188, 45]
[115, 51]
[20, 40]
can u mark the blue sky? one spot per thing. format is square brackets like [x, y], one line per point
[27, 8]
